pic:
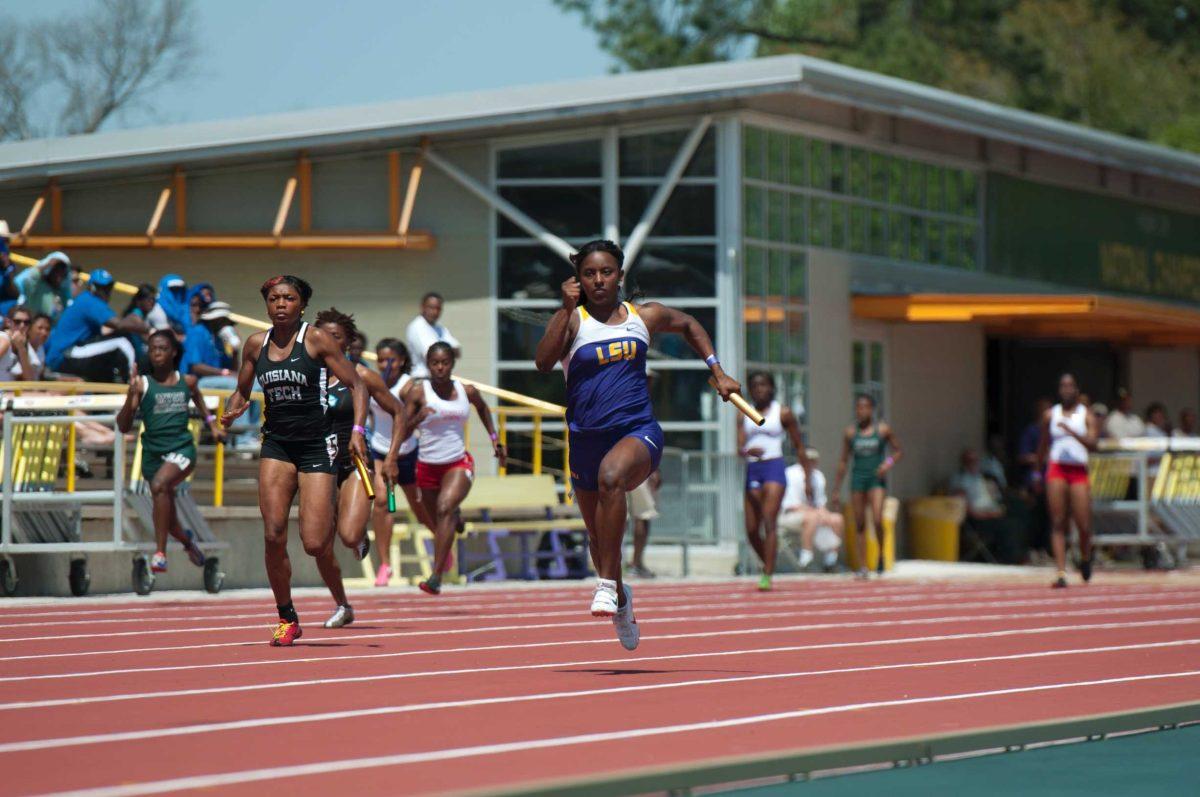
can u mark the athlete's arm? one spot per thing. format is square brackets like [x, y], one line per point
[198, 399]
[836, 495]
[133, 399]
[325, 350]
[889, 434]
[1043, 449]
[414, 411]
[660, 318]
[237, 403]
[561, 330]
[485, 415]
[788, 420]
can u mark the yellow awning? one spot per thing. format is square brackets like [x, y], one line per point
[1081, 317]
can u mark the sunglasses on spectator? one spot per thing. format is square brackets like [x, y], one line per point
[20, 322]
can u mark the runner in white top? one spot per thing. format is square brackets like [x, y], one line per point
[394, 366]
[762, 446]
[441, 409]
[1069, 432]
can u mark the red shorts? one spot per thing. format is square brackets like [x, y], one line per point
[429, 476]
[1066, 472]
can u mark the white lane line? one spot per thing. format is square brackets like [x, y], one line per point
[342, 680]
[429, 613]
[296, 719]
[726, 604]
[485, 648]
[593, 624]
[342, 765]
[409, 597]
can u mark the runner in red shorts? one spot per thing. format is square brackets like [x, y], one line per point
[1068, 433]
[440, 408]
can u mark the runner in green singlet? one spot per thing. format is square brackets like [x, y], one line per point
[168, 449]
[865, 454]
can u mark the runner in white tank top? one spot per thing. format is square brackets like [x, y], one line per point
[393, 359]
[1069, 432]
[766, 469]
[441, 408]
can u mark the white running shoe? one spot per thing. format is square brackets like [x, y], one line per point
[342, 616]
[626, 623]
[604, 602]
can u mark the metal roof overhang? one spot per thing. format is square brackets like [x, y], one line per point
[1065, 316]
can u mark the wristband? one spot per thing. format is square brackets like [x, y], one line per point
[494, 436]
[362, 430]
[889, 462]
[210, 418]
[712, 360]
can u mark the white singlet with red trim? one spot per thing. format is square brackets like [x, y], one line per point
[381, 422]
[442, 433]
[1064, 448]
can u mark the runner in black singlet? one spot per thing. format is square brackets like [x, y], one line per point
[293, 362]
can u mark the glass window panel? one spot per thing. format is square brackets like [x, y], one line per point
[753, 151]
[858, 172]
[691, 209]
[897, 232]
[818, 164]
[797, 218]
[970, 244]
[797, 339]
[935, 250]
[754, 281]
[837, 236]
[916, 184]
[566, 159]
[837, 168]
[755, 342]
[776, 335]
[879, 177]
[667, 271]
[935, 178]
[953, 245]
[777, 268]
[530, 272]
[896, 181]
[547, 387]
[795, 393]
[797, 284]
[777, 147]
[858, 358]
[877, 362]
[755, 205]
[878, 238]
[954, 192]
[776, 214]
[818, 225]
[519, 330]
[916, 239]
[677, 395]
[970, 193]
[689, 441]
[672, 346]
[797, 161]
[858, 229]
[566, 210]
[651, 154]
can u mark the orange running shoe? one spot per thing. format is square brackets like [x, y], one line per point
[285, 634]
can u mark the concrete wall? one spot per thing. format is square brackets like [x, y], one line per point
[829, 407]
[1171, 376]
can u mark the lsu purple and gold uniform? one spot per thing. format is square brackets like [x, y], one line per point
[608, 398]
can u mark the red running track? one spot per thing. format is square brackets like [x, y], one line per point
[488, 688]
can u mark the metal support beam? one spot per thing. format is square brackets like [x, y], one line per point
[410, 194]
[179, 191]
[659, 201]
[34, 212]
[304, 173]
[501, 205]
[56, 221]
[285, 204]
[164, 196]
[394, 190]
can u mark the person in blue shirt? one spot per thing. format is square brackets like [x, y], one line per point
[170, 311]
[89, 340]
[9, 294]
[202, 354]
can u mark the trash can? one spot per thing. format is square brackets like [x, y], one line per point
[933, 524]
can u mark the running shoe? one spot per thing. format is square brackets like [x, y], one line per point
[383, 576]
[879, 566]
[764, 583]
[640, 571]
[285, 634]
[604, 601]
[1060, 582]
[342, 616]
[158, 562]
[363, 548]
[431, 585]
[193, 550]
[862, 574]
[1085, 567]
[626, 623]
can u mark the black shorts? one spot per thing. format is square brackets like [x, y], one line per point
[316, 455]
[406, 463]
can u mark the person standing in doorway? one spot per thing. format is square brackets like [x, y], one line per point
[426, 330]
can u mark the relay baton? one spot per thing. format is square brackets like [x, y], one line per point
[745, 407]
[391, 488]
[361, 467]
